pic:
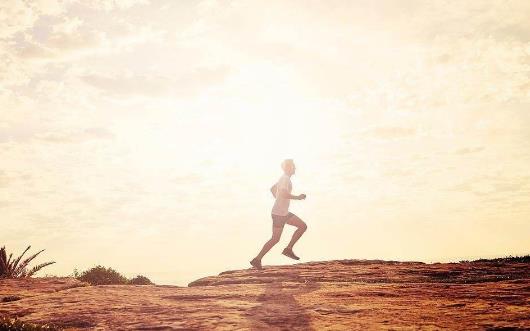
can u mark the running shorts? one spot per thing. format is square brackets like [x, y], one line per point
[279, 221]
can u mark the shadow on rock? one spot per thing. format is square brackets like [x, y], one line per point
[279, 309]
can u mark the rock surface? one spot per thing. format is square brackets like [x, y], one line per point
[337, 295]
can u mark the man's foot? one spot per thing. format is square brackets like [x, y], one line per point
[289, 252]
[256, 264]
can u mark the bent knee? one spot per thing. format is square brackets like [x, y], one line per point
[274, 240]
[303, 227]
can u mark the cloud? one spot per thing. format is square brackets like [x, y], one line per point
[462, 187]
[38, 37]
[399, 172]
[34, 51]
[3, 179]
[16, 134]
[69, 25]
[187, 83]
[76, 136]
[7, 179]
[63, 41]
[186, 179]
[72, 38]
[493, 186]
[129, 84]
[500, 20]
[98, 133]
[469, 150]
[109, 5]
[12, 71]
[391, 132]
[517, 184]
[17, 16]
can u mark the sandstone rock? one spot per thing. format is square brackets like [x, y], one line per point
[334, 295]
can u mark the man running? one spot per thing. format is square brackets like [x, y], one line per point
[281, 215]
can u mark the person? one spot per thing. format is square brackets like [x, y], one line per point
[281, 215]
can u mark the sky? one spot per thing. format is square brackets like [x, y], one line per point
[145, 135]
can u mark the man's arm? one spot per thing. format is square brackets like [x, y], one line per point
[286, 195]
[273, 190]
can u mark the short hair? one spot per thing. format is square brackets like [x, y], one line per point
[287, 162]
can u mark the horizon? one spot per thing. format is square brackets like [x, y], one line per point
[145, 135]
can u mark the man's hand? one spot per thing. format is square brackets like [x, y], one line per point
[301, 196]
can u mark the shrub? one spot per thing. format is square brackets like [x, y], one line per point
[13, 268]
[15, 324]
[140, 280]
[507, 259]
[75, 274]
[100, 275]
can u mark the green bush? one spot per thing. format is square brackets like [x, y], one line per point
[10, 324]
[100, 275]
[140, 280]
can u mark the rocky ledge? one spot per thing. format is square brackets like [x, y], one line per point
[335, 295]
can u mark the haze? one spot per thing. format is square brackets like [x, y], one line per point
[144, 135]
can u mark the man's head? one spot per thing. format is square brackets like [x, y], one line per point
[288, 167]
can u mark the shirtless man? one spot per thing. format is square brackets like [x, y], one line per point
[281, 215]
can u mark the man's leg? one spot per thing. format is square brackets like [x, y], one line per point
[276, 234]
[301, 227]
